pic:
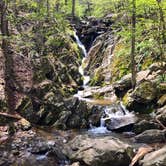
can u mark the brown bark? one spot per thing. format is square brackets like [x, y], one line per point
[73, 9]
[7, 52]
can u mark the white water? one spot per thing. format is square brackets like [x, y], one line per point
[86, 78]
[81, 46]
[110, 112]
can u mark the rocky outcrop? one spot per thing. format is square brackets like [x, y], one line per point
[43, 74]
[99, 151]
[98, 62]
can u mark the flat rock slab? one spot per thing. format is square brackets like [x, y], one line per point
[99, 151]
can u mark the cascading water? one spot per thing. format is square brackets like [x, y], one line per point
[81, 70]
[117, 116]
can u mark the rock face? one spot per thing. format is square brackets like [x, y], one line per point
[98, 62]
[156, 158]
[42, 81]
[91, 28]
[99, 151]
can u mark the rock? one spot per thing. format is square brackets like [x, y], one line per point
[62, 120]
[117, 118]
[161, 115]
[162, 100]
[121, 123]
[151, 136]
[142, 98]
[123, 85]
[76, 164]
[156, 158]
[157, 66]
[145, 125]
[90, 92]
[99, 151]
[25, 125]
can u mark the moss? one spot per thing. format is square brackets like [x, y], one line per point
[98, 78]
[125, 99]
[147, 62]
[120, 61]
[98, 96]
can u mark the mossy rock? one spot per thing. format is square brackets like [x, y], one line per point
[98, 77]
[145, 92]
[142, 99]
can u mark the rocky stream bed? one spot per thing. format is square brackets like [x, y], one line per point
[95, 124]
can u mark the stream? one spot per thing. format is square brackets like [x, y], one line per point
[117, 114]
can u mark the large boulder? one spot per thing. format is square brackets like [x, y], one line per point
[155, 158]
[142, 98]
[99, 151]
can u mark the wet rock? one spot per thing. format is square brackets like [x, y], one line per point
[151, 136]
[123, 123]
[97, 91]
[99, 151]
[95, 117]
[156, 158]
[145, 125]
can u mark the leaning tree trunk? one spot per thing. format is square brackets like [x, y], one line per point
[133, 63]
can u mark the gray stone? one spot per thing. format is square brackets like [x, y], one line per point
[99, 151]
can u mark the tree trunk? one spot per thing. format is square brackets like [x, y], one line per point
[73, 9]
[48, 9]
[7, 52]
[133, 63]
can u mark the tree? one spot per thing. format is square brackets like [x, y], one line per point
[73, 9]
[6, 52]
[133, 63]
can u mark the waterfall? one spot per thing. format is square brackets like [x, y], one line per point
[86, 78]
[80, 45]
